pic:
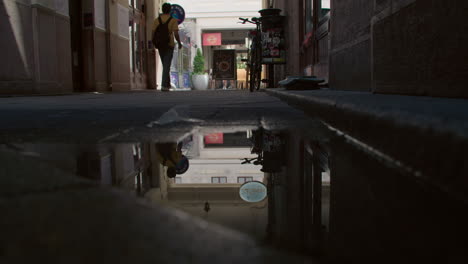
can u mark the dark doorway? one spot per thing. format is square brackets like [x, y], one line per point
[76, 45]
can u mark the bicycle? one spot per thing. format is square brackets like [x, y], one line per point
[254, 60]
[270, 148]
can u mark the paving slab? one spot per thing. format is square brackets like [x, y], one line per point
[101, 225]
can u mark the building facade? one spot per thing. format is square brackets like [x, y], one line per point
[221, 18]
[61, 46]
[35, 47]
[115, 52]
[353, 196]
[378, 46]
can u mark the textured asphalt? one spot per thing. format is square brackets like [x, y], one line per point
[91, 118]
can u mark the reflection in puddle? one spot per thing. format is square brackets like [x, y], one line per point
[219, 164]
[324, 191]
[200, 173]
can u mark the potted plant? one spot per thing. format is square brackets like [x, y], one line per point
[199, 76]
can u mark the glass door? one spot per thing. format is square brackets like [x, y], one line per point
[138, 50]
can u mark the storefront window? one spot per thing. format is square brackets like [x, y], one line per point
[132, 57]
[137, 48]
[181, 62]
[240, 56]
[137, 4]
[186, 59]
[175, 61]
[325, 7]
[136, 33]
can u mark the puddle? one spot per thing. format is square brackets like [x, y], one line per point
[209, 173]
[200, 173]
[265, 179]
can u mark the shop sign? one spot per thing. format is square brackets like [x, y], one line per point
[274, 51]
[178, 13]
[215, 138]
[211, 39]
[253, 192]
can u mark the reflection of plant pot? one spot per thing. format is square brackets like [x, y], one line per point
[200, 82]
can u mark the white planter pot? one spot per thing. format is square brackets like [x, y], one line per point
[200, 82]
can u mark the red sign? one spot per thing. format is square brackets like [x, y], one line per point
[212, 39]
[216, 138]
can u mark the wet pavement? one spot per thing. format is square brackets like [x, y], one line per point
[101, 117]
[224, 177]
[84, 178]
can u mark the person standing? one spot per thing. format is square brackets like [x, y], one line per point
[165, 29]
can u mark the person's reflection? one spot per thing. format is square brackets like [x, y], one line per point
[170, 155]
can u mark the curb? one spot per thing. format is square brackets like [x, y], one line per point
[424, 135]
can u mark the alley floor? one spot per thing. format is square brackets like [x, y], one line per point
[51, 215]
[100, 117]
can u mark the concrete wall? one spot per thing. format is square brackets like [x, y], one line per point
[16, 48]
[100, 60]
[379, 211]
[152, 8]
[96, 49]
[120, 61]
[36, 47]
[107, 48]
[293, 36]
[419, 47]
[120, 46]
[350, 54]
[412, 47]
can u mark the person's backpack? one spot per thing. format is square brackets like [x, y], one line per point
[161, 35]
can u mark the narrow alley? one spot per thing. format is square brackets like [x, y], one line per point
[247, 131]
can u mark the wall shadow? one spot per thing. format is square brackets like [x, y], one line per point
[15, 46]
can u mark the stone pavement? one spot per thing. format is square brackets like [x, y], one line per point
[50, 216]
[91, 118]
